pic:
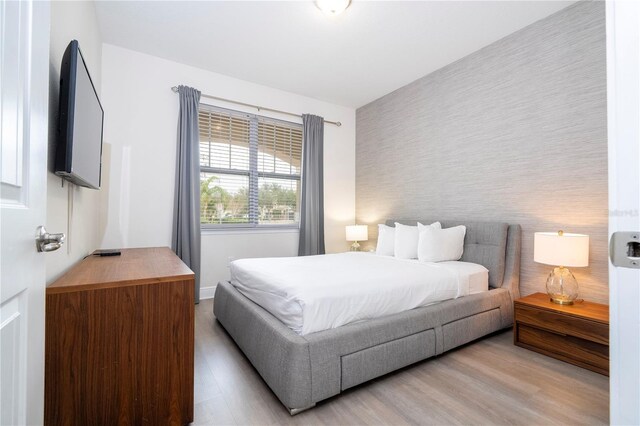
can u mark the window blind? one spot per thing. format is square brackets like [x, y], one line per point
[224, 140]
[250, 169]
[279, 148]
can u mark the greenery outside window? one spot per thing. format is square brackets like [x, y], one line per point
[249, 170]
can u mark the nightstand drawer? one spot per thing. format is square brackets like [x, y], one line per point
[568, 348]
[563, 324]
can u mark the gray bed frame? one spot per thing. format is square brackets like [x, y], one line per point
[303, 370]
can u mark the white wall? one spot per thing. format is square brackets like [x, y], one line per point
[140, 143]
[71, 205]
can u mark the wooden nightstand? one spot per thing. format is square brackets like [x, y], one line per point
[578, 334]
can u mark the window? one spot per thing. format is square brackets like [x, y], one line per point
[249, 169]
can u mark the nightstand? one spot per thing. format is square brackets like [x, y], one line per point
[578, 334]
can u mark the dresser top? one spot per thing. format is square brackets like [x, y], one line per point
[134, 266]
[590, 310]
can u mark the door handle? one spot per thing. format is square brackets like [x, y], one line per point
[624, 249]
[48, 242]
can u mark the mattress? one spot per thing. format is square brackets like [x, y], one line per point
[314, 293]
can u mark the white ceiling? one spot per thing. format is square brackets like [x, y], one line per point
[370, 50]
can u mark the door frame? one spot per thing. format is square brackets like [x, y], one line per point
[623, 111]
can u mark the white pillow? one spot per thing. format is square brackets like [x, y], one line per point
[441, 245]
[434, 225]
[386, 240]
[406, 239]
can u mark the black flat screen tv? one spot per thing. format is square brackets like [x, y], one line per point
[79, 144]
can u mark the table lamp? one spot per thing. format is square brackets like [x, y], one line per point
[357, 233]
[561, 249]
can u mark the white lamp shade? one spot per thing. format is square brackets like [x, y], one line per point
[554, 248]
[357, 233]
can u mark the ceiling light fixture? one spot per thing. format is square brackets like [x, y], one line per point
[332, 7]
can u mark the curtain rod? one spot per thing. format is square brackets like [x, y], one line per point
[259, 108]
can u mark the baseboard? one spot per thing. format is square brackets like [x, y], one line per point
[207, 292]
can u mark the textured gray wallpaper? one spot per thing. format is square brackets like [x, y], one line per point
[515, 132]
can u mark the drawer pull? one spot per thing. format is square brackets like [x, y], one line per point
[557, 333]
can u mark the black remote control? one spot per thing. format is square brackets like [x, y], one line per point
[103, 253]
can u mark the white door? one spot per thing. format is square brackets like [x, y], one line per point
[24, 86]
[623, 87]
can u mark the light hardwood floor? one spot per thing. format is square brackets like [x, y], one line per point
[487, 382]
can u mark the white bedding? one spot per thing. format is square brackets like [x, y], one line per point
[315, 293]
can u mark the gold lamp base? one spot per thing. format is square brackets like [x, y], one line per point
[560, 300]
[355, 246]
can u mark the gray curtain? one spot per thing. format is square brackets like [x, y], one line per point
[312, 203]
[185, 241]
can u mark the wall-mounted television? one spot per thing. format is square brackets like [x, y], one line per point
[79, 144]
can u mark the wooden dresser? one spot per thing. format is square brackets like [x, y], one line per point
[119, 341]
[577, 333]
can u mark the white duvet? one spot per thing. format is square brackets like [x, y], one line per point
[315, 293]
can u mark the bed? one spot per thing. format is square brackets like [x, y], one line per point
[304, 366]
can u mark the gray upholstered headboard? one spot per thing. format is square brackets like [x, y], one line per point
[494, 245]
